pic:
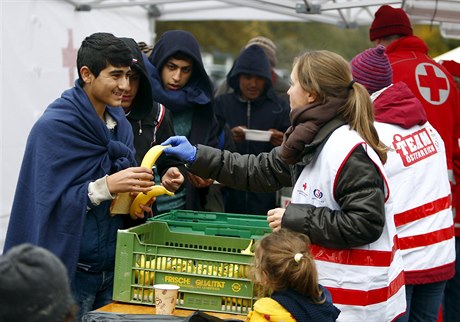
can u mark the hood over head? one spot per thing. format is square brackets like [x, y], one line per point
[398, 105]
[144, 99]
[251, 61]
[184, 42]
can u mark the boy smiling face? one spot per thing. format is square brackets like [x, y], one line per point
[108, 87]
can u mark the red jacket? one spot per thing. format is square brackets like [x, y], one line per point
[432, 84]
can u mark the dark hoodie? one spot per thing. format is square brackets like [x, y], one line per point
[398, 105]
[144, 110]
[197, 93]
[268, 111]
[200, 125]
[144, 115]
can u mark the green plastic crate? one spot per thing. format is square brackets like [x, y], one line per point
[211, 270]
[215, 223]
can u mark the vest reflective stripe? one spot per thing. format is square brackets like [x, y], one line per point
[370, 297]
[367, 282]
[426, 239]
[355, 256]
[422, 211]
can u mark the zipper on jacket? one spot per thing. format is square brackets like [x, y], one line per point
[140, 126]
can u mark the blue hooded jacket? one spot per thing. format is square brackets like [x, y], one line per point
[197, 94]
[192, 105]
[68, 147]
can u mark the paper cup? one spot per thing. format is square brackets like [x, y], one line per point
[165, 298]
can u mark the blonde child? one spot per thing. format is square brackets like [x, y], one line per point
[284, 264]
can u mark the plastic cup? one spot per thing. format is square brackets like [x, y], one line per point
[165, 298]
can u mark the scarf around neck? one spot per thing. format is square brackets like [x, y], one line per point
[305, 123]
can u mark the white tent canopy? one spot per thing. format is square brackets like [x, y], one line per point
[453, 54]
[342, 13]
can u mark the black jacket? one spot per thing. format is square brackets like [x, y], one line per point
[144, 113]
[359, 191]
[150, 127]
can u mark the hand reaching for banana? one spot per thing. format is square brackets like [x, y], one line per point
[136, 182]
[199, 182]
[145, 198]
[172, 179]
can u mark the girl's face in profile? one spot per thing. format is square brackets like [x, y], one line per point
[298, 97]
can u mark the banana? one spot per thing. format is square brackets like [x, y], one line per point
[148, 161]
[235, 301]
[144, 277]
[143, 198]
[152, 155]
[148, 294]
[248, 250]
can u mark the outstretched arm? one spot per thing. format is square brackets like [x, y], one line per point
[260, 173]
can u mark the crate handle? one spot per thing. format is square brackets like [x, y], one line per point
[227, 232]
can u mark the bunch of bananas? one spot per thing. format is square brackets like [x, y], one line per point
[145, 269]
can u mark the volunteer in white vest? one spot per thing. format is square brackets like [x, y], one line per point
[417, 171]
[340, 198]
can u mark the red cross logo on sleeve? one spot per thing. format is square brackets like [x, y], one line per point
[432, 83]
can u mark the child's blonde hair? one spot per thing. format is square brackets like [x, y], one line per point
[283, 261]
[327, 74]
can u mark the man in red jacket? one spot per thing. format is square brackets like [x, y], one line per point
[429, 81]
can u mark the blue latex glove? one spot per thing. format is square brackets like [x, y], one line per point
[180, 148]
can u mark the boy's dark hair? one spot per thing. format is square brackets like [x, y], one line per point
[100, 50]
[181, 56]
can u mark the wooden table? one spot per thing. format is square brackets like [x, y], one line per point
[127, 308]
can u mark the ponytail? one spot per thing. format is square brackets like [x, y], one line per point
[328, 74]
[359, 113]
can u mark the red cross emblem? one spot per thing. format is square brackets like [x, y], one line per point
[432, 83]
[69, 57]
[304, 186]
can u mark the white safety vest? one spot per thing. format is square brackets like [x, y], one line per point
[416, 169]
[367, 282]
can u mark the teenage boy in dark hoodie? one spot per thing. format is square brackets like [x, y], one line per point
[180, 82]
[150, 121]
[253, 105]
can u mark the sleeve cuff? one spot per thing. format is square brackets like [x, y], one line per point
[98, 191]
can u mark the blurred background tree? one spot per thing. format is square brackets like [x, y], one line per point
[222, 38]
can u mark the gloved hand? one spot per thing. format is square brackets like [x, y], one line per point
[180, 148]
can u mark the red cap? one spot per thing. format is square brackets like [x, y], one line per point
[390, 21]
